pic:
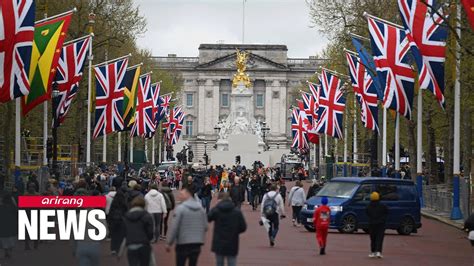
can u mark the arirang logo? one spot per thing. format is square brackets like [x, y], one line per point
[42, 214]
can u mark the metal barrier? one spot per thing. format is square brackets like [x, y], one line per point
[438, 197]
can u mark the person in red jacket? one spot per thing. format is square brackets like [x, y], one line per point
[322, 219]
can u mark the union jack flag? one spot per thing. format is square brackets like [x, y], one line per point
[155, 95]
[174, 125]
[163, 107]
[331, 106]
[144, 125]
[68, 74]
[109, 97]
[309, 106]
[427, 36]
[16, 40]
[390, 47]
[365, 90]
[299, 127]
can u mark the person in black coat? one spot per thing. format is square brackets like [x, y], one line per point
[138, 233]
[237, 193]
[313, 189]
[9, 224]
[377, 213]
[229, 223]
[118, 209]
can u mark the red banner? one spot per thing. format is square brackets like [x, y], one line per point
[50, 202]
[469, 8]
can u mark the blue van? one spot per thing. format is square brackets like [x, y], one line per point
[349, 197]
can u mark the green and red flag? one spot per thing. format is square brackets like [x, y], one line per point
[47, 43]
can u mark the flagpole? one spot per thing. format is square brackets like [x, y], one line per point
[104, 149]
[46, 18]
[397, 146]
[89, 94]
[384, 143]
[119, 147]
[104, 142]
[345, 146]
[456, 211]
[159, 151]
[131, 149]
[320, 153]
[355, 132]
[243, 21]
[153, 149]
[112, 60]
[367, 15]
[45, 132]
[419, 148]
[325, 145]
[18, 132]
[45, 119]
[146, 150]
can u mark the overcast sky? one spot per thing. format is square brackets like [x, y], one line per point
[179, 26]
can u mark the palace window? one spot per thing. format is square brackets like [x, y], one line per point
[259, 100]
[225, 100]
[189, 100]
[189, 128]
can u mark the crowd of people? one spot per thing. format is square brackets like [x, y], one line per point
[139, 204]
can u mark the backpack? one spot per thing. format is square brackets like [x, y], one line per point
[270, 205]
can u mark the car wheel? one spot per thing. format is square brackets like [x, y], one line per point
[349, 224]
[310, 229]
[407, 226]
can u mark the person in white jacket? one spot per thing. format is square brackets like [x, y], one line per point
[155, 204]
[296, 200]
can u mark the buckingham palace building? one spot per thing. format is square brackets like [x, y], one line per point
[207, 87]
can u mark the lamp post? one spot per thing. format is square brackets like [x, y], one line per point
[206, 159]
[265, 129]
[163, 147]
[54, 128]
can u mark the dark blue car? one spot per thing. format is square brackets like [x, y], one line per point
[349, 197]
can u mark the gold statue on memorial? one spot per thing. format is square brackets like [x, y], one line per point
[241, 76]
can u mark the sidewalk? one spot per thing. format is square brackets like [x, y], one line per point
[442, 217]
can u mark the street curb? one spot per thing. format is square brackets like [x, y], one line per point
[442, 219]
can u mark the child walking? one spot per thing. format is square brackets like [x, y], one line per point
[321, 220]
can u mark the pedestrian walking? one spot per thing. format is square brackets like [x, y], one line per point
[296, 200]
[139, 233]
[272, 210]
[237, 193]
[229, 223]
[187, 229]
[205, 195]
[155, 204]
[170, 204]
[377, 214]
[118, 209]
[282, 190]
[9, 224]
[321, 220]
[254, 192]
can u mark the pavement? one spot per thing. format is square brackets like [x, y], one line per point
[443, 217]
[436, 243]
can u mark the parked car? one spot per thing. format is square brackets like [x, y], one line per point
[349, 197]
